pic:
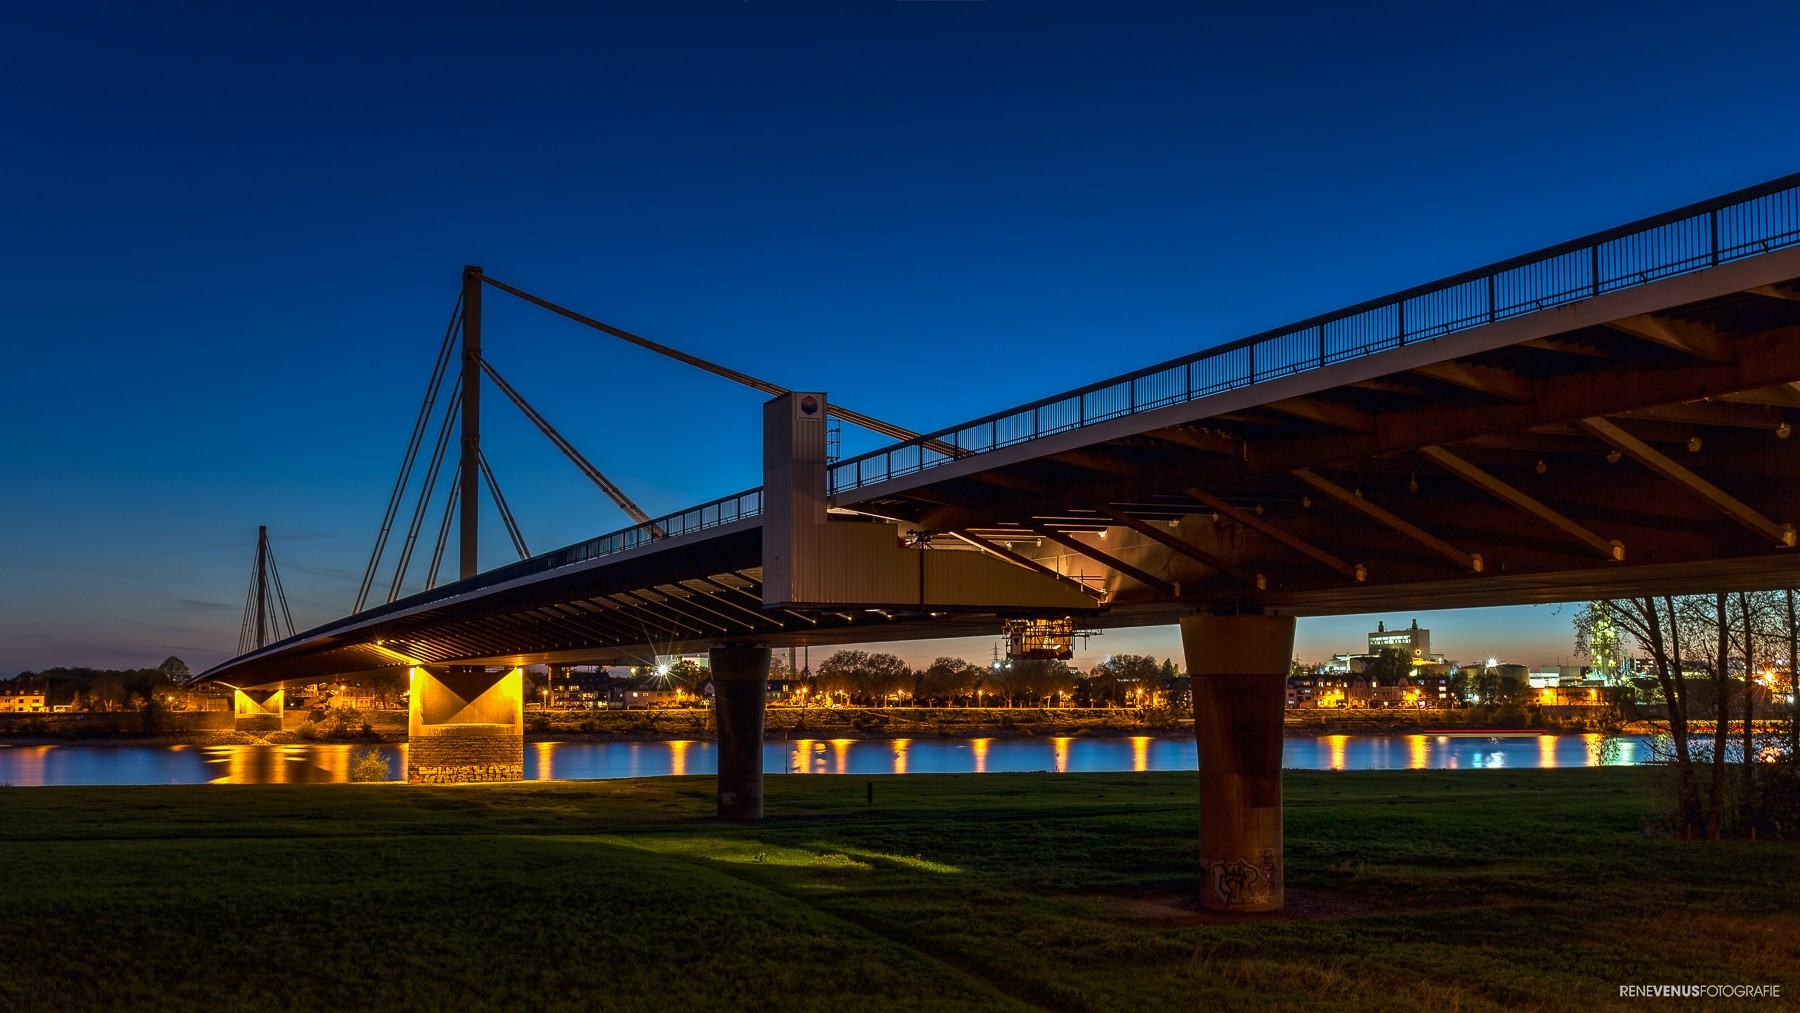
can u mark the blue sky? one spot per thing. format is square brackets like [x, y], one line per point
[233, 234]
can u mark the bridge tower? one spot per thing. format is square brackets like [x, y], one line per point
[266, 620]
[469, 491]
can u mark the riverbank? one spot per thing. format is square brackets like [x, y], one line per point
[1407, 890]
[788, 723]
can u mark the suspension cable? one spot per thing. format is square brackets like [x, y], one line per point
[264, 606]
[412, 453]
[612, 491]
[244, 635]
[506, 515]
[443, 538]
[280, 596]
[425, 491]
[887, 429]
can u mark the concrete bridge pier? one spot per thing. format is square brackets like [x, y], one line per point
[465, 726]
[740, 678]
[1238, 667]
[257, 710]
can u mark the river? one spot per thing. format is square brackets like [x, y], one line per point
[591, 760]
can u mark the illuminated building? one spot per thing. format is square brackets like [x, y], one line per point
[20, 697]
[1415, 643]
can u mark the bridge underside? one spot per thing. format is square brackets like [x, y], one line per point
[672, 597]
[1607, 448]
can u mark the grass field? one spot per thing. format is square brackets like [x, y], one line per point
[1407, 890]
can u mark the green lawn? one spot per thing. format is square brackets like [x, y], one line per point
[1407, 890]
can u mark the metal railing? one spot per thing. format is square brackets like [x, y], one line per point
[716, 513]
[1738, 225]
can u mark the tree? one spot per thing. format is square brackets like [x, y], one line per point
[1388, 665]
[386, 685]
[1667, 628]
[175, 670]
[1462, 685]
[948, 678]
[107, 693]
[864, 677]
[689, 675]
[1032, 681]
[1123, 677]
[1179, 689]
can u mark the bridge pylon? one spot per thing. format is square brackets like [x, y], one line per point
[465, 725]
[740, 678]
[1238, 666]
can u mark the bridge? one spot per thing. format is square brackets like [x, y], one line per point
[1611, 416]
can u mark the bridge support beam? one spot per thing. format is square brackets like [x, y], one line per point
[257, 710]
[740, 678]
[1238, 667]
[465, 726]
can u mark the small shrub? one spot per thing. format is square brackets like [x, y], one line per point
[368, 765]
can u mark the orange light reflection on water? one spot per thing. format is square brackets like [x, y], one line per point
[980, 746]
[1421, 751]
[1062, 753]
[30, 762]
[1140, 753]
[900, 747]
[678, 751]
[1547, 752]
[802, 759]
[335, 762]
[1339, 745]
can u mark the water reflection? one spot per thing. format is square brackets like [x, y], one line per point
[29, 765]
[1339, 747]
[578, 761]
[1140, 752]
